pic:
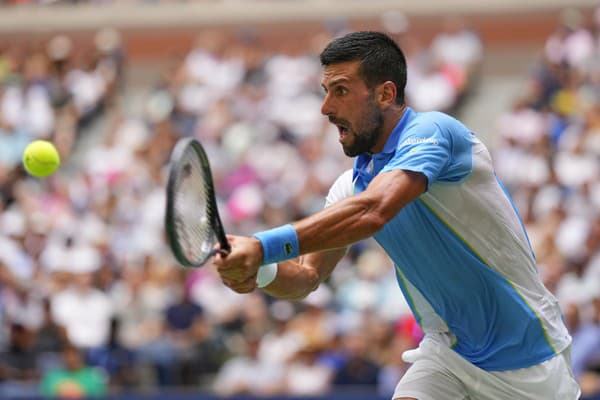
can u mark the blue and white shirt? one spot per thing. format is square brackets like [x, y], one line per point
[461, 253]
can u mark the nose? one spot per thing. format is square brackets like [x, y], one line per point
[327, 106]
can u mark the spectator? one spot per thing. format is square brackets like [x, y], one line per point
[75, 380]
[280, 344]
[306, 375]
[116, 361]
[246, 374]
[50, 340]
[18, 364]
[208, 353]
[181, 318]
[84, 311]
[358, 368]
[140, 300]
[393, 367]
[23, 306]
[586, 352]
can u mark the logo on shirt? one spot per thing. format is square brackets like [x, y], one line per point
[416, 140]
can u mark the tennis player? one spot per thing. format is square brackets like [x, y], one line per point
[423, 186]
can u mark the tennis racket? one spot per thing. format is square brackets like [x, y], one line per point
[192, 221]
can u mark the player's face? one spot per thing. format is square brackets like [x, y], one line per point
[351, 106]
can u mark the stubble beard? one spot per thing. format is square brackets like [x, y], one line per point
[370, 130]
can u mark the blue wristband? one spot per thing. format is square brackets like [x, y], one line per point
[279, 244]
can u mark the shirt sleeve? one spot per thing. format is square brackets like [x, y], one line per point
[341, 188]
[426, 150]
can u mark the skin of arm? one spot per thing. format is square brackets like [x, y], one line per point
[297, 278]
[323, 237]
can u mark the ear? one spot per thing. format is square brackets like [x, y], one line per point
[386, 95]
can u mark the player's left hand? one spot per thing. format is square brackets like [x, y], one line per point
[238, 269]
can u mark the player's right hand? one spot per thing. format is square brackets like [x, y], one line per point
[238, 269]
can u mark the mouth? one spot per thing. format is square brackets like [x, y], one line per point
[343, 132]
[343, 128]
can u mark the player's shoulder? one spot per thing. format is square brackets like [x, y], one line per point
[433, 123]
[424, 124]
[434, 117]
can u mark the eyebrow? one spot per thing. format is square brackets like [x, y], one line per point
[336, 82]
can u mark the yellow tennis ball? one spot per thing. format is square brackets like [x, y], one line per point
[40, 158]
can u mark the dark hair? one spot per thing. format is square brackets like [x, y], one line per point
[381, 58]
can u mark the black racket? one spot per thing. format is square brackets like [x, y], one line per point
[192, 219]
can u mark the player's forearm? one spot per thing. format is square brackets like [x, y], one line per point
[297, 278]
[294, 281]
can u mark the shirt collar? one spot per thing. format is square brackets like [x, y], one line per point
[392, 142]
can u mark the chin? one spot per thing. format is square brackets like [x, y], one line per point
[350, 152]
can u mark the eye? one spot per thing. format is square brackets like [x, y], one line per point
[341, 91]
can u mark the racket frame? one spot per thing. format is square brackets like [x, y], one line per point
[215, 223]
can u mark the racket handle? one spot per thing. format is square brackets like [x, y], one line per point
[224, 246]
[224, 252]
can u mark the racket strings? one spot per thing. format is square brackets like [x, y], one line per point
[192, 212]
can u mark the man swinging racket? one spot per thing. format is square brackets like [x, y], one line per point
[424, 188]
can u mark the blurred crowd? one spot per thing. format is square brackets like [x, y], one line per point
[75, 2]
[91, 300]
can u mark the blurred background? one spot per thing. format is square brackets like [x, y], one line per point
[92, 302]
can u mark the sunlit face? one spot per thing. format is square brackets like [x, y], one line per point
[351, 106]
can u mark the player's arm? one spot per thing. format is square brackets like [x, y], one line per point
[349, 220]
[291, 279]
[296, 278]
[358, 217]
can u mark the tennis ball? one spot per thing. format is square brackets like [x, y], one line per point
[40, 158]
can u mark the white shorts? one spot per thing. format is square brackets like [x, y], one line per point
[439, 373]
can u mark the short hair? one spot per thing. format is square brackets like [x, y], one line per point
[381, 59]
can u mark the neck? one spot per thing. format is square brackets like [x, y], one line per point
[390, 119]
